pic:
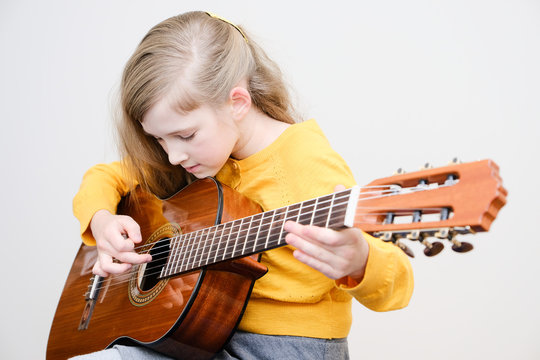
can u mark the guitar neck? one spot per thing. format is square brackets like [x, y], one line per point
[257, 233]
[430, 202]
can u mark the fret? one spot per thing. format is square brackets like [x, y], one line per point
[308, 208]
[293, 212]
[214, 245]
[222, 246]
[330, 210]
[253, 231]
[244, 232]
[172, 251]
[321, 210]
[314, 211]
[184, 252]
[276, 228]
[200, 247]
[267, 228]
[180, 257]
[235, 233]
[205, 248]
[339, 210]
[239, 234]
[175, 253]
[283, 224]
[190, 246]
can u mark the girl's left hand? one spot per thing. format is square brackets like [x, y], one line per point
[334, 253]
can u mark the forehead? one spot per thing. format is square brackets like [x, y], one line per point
[162, 118]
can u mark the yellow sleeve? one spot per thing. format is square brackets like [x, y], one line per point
[102, 187]
[388, 281]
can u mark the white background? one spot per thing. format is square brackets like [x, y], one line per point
[392, 83]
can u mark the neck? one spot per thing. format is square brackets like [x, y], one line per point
[257, 131]
[257, 233]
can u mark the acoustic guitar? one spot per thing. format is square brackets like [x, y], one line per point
[204, 241]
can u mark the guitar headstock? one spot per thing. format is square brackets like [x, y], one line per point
[441, 202]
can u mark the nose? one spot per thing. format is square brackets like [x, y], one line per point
[177, 159]
[176, 155]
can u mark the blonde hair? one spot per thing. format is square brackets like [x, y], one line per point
[198, 59]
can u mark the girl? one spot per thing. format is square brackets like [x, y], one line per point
[200, 98]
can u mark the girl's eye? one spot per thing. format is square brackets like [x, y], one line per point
[188, 137]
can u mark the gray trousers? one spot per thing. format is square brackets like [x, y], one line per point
[245, 346]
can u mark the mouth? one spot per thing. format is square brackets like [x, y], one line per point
[192, 169]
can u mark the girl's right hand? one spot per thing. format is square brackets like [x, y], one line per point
[116, 236]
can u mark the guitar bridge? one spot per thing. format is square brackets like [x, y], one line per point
[90, 297]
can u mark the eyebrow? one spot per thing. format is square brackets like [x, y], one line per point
[186, 130]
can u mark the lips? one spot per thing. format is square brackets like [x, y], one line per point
[192, 169]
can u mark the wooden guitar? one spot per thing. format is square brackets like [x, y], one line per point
[204, 242]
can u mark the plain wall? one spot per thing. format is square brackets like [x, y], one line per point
[392, 83]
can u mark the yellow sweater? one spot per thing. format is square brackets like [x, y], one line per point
[292, 298]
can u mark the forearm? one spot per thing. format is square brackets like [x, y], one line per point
[102, 187]
[388, 280]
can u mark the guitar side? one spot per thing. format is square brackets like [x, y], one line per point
[190, 316]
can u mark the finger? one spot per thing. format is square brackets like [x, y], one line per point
[108, 266]
[326, 269]
[339, 188]
[322, 236]
[97, 270]
[131, 228]
[133, 257]
[314, 252]
[118, 242]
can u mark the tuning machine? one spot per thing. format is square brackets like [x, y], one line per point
[399, 171]
[430, 248]
[455, 161]
[450, 235]
[388, 236]
[426, 166]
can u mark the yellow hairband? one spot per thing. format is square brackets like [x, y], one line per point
[228, 22]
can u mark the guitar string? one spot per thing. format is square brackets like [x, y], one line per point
[216, 228]
[126, 277]
[190, 259]
[197, 251]
[120, 279]
[276, 210]
[376, 194]
[200, 259]
[357, 215]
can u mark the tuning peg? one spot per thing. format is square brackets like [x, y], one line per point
[455, 161]
[461, 247]
[426, 166]
[399, 171]
[432, 249]
[405, 248]
[388, 236]
[443, 233]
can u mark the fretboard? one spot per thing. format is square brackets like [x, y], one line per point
[255, 234]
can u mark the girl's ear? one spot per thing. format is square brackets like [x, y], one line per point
[240, 102]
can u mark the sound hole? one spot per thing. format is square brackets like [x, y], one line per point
[152, 270]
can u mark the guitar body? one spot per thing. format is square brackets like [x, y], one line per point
[190, 316]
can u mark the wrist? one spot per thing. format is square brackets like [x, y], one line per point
[97, 218]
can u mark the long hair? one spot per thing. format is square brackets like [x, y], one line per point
[197, 59]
